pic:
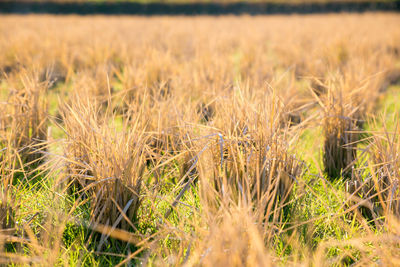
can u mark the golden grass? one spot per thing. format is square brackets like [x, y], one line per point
[182, 135]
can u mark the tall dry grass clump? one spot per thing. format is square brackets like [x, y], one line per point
[385, 158]
[250, 162]
[26, 117]
[339, 150]
[8, 169]
[105, 164]
[344, 110]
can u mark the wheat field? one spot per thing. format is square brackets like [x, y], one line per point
[200, 141]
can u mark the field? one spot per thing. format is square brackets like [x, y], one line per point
[200, 141]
